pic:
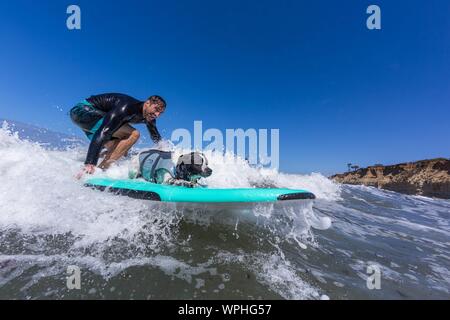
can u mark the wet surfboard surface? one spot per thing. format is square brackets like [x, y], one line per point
[142, 189]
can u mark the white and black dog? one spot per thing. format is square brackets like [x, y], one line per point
[159, 167]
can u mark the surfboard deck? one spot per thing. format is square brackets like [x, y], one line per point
[141, 189]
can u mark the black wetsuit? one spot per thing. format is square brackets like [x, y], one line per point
[114, 110]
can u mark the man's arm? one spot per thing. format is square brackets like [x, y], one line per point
[153, 131]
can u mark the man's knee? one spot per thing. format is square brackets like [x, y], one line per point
[134, 136]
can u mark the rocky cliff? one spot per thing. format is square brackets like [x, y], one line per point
[429, 178]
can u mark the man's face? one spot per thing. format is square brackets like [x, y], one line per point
[152, 111]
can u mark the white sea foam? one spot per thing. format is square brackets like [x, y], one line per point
[48, 219]
[40, 198]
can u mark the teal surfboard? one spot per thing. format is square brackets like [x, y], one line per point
[142, 189]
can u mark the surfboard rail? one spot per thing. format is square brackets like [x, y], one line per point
[141, 189]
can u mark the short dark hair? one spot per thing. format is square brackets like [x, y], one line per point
[158, 100]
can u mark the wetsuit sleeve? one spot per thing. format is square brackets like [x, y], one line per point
[154, 134]
[112, 121]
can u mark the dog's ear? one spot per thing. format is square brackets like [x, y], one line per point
[180, 171]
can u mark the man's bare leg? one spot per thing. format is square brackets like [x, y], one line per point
[109, 146]
[128, 137]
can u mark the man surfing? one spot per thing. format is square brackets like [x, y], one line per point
[106, 118]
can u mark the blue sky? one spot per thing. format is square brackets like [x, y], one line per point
[337, 91]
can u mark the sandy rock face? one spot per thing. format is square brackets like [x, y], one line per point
[429, 178]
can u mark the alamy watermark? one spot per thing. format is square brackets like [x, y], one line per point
[373, 281]
[374, 20]
[250, 144]
[73, 21]
[73, 278]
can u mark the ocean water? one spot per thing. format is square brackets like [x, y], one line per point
[134, 249]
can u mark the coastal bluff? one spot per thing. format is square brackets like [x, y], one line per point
[430, 178]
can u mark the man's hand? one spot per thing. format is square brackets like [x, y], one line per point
[89, 169]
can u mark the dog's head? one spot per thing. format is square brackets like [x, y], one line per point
[192, 166]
